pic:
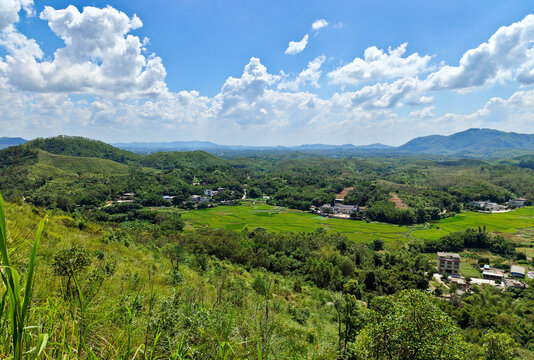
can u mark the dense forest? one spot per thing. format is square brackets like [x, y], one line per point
[132, 280]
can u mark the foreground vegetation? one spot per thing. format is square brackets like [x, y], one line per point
[103, 291]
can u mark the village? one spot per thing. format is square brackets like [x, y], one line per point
[209, 197]
[449, 277]
[488, 206]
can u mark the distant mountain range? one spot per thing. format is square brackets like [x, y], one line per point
[469, 143]
[477, 143]
[8, 141]
[144, 147]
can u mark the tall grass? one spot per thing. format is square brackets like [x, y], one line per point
[49, 326]
[15, 302]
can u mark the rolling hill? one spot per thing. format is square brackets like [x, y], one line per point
[474, 142]
[68, 171]
[82, 147]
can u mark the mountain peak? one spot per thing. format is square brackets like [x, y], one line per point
[472, 141]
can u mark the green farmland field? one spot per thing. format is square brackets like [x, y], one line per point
[281, 219]
[507, 222]
[274, 218]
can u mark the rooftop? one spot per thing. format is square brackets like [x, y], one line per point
[493, 272]
[517, 269]
[449, 255]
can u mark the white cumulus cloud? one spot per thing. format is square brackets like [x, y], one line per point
[296, 47]
[310, 75]
[508, 54]
[100, 56]
[378, 65]
[426, 112]
[319, 24]
[9, 11]
[127, 97]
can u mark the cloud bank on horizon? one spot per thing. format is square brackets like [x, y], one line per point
[105, 83]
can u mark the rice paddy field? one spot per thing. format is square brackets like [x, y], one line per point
[272, 218]
[508, 223]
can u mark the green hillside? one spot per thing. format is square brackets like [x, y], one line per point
[106, 291]
[78, 165]
[472, 142]
[75, 171]
[79, 146]
[186, 159]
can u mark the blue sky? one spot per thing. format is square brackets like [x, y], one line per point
[225, 71]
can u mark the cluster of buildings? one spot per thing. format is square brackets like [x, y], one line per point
[209, 194]
[339, 210]
[488, 206]
[449, 264]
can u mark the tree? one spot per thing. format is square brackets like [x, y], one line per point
[351, 315]
[409, 325]
[67, 263]
[378, 244]
[176, 254]
[498, 346]
[172, 224]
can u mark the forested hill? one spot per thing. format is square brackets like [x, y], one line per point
[77, 172]
[188, 159]
[79, 146]
[68, 171]
[481, 142]
[8, 141]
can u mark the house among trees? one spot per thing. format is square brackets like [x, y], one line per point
[126, 197]
[460, 282]
[519, 202]
[449, 263]
[338, 210]
[493, 274]
[211, 192]
[345, 209]
[517, 271]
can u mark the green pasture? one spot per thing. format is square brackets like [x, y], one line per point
[507, 222]
[277, 219]
[281, 219]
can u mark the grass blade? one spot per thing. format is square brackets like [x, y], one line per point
[29, 280]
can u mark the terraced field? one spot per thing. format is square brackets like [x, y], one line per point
[272, 218]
